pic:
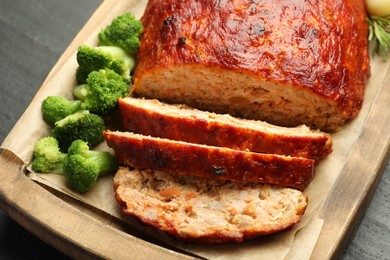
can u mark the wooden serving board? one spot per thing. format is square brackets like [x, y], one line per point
[74, 228]
[355, 186]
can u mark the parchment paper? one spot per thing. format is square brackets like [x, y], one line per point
[297, 243]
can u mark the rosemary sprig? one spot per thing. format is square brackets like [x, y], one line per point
[379, 35]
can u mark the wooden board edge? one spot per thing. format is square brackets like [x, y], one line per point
[353, 190]
[331, 241]
[64, 227]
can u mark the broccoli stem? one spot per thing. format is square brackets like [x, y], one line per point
[41, 164]
[59, 169]
[81, 91]
[105, 161]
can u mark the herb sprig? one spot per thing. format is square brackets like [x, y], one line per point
[379, 35]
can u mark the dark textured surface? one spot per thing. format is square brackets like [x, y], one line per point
[33, 35]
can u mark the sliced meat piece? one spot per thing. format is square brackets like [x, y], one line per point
[207, 211]
[284, 62]
[209, 161]
[182, 123]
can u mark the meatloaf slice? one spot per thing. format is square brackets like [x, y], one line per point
[182, 123]
[207, 211]
[285, 62]
[209, 161]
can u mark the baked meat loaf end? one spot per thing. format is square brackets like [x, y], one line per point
[209, 161]
[207, 211]
[284, 62]
[182, 123]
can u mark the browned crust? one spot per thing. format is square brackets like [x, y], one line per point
[196, 130]
[320, 47]
[171, 227]
[209, 161]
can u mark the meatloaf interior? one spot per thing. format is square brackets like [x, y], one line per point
[204, 210]
[240, 94]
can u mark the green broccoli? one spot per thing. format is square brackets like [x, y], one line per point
[101, 93]
[123, 32]
[82, 167]
[80, 125]
[55, 108]
[96, 58]
[47, 156]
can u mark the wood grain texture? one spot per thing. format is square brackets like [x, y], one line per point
[35, 33]
[372, 239]
[72, 231]
[355, 186]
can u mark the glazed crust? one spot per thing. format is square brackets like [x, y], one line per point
[182, 123]
[208, 161]
[207, 211]
[317, 48]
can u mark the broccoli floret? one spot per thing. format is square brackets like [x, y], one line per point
[82, 167]
[100, 94]
[96, 58]
[123, 32]
[80, 125]
[55, 108]
[47, 156]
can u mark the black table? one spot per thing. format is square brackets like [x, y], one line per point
[33, 34]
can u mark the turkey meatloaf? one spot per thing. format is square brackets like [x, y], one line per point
[285, 62]
[207, 211]
[209, 161]
[182, 123]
